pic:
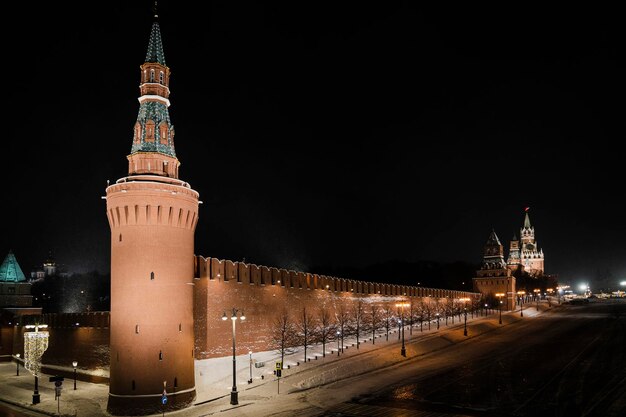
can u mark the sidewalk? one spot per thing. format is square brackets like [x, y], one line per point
[214, 376]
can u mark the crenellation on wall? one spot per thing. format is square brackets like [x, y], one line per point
[243, 273]
[270, 290]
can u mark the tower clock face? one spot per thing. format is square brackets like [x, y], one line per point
[529, 246]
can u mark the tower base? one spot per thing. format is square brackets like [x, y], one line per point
[130, 405]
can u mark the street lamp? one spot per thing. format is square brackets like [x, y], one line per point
[17, 361]
[250, 380]
[537, 291]
[500, 295]
[465, 300]
[75, 364]
[35, 344]
[338, 333]
[402, 305]
[521, 303]
[437, 314]
[234, 394]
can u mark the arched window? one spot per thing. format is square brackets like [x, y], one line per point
[151, 75]
[137, 133]
[150, 131]
[163, 131]
[161, 77]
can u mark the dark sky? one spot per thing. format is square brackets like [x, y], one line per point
[325, 133]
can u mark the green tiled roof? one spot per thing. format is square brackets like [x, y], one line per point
[493, 239]
[155, 47]
[158, 113]
[10, 270]
[527, 222]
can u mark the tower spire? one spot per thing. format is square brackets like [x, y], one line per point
[527, 221]
[155, 46]
[152, 151]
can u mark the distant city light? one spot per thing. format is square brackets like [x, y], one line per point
[583, 287]
[623, 283]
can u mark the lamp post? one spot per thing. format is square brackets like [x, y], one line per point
[537, 291]
[17, 361]
[75, 364]
[250, 380]
[35, 344]
[338, 333]
[402, 305]
[521, 302]
[465, 300]
[500, 295]
[234, 394]
[437, 314]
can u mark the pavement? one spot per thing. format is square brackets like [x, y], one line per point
[214, 376]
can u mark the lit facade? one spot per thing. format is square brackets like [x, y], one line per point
[152, 215]
[494, 277]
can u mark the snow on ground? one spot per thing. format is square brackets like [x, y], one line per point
[214, 378]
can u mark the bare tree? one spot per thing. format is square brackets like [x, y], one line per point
[374, 320]
[358, 315]
[325, 328]
[387, 318]
[305, 326]
[421, 313]
[428, 311]
[342, 316]
[283, 333]
[448, 310]
[412, 312]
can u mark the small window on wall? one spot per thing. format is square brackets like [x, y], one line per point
[120, 237]
[151, 275]
[151, 75]
[161, 77]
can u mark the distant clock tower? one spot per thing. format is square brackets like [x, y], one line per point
[532, 258]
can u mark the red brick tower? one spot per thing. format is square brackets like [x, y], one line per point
[153, 216]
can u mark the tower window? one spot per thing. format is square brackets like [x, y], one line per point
[161, 77]
[133, 384]
[175, 382]
[151, 75]
[120, 237]
[136, 329]
[151, 275]
[160, 355]
[180, 327]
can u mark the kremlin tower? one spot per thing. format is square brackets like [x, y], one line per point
[152, 215]
[531, 259]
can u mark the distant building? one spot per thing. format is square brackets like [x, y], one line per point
[526, 255]
[15, 291]
[494, 277]
[48, 268]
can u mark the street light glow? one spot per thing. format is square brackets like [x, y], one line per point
[623, 283]
[582, 287]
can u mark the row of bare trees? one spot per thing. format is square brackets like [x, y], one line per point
[359, 319]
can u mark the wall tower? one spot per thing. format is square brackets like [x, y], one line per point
[514, 261]
[494, 277]
[532, 258]
[152, 215]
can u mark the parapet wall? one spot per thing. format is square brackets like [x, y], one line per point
[264, 293]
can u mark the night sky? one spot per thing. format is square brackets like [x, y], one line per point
[325, 133]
